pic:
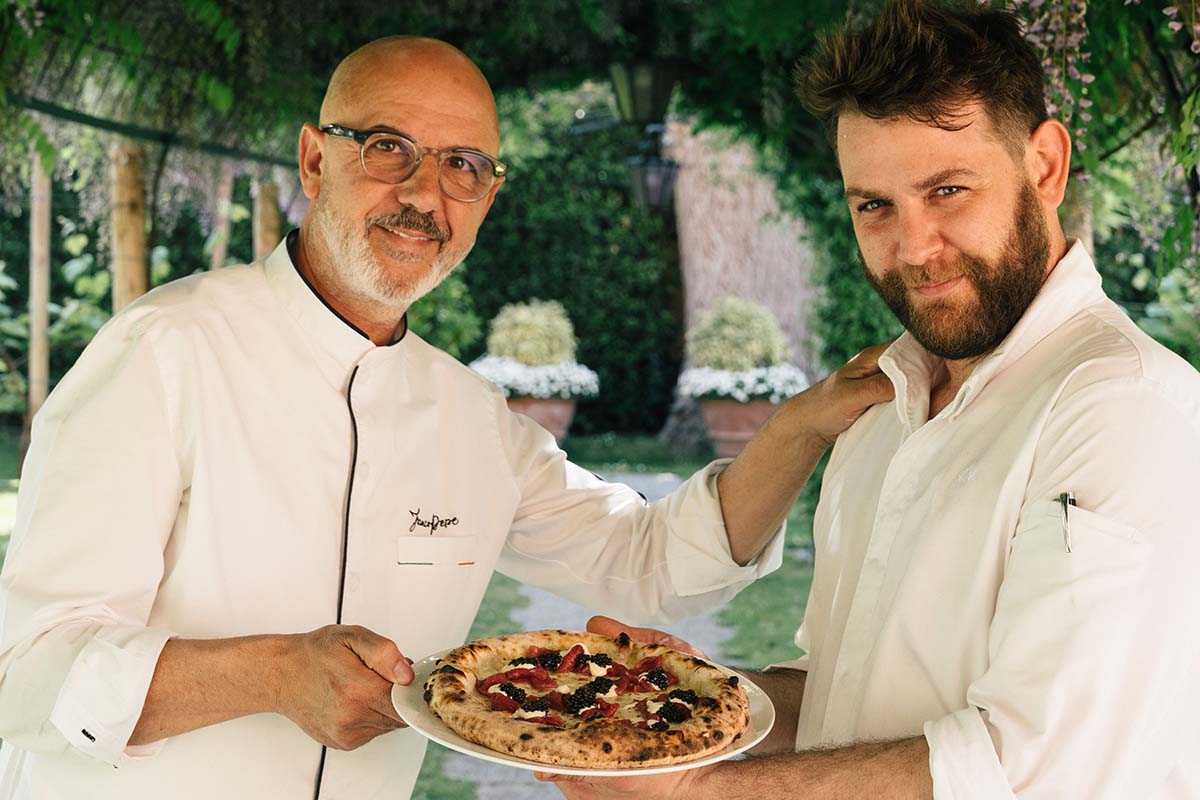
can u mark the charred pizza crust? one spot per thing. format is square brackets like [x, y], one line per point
[720, 716]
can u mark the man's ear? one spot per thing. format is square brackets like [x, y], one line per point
[310, 160]
[491, 196]
[1048, 161]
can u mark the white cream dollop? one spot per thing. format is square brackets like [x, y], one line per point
[521, 713]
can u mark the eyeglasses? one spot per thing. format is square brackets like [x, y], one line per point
[391, 157]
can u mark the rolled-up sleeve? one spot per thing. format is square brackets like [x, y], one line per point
[600, 544]
[99, 494]
[1091, 687]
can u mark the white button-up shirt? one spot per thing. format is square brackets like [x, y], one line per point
[945, 600]
[228, 457]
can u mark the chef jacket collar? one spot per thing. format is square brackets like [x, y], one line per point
[1073, 284]
[336, 342]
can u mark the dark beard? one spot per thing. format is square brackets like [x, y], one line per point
[1005, 289]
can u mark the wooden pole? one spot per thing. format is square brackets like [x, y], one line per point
[266, 217]
[39, 293]
[221, 229]
[131, 271]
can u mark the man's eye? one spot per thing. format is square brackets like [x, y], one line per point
[463, 163]
[870, 205]
[948, 191]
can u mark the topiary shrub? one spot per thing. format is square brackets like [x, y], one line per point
[531, 353]
[736, 335]
[536, 334]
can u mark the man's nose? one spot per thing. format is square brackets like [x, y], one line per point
[919, 237]
[421, 189]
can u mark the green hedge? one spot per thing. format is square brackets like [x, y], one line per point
[563, 229]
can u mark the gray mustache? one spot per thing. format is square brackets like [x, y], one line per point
[413, 220]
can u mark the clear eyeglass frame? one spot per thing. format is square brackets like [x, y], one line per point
[498, 169]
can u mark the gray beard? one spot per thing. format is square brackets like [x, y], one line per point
[362, 275]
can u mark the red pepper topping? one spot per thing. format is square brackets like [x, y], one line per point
[537, 677]
[648, 663]
[607, 709]
[568, 662]
[623, 684]
[589, 713]
[557, 701]
[502, 702]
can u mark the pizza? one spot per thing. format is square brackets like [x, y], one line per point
[586, 700]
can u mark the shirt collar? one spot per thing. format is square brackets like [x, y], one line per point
[1073, 284]
[337, 343]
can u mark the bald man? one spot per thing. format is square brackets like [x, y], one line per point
[257, 490]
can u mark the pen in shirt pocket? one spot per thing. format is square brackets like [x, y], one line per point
[1066, 500]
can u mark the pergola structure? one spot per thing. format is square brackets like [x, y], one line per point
[150, 103]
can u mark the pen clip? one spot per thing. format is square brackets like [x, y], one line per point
[1066, 499]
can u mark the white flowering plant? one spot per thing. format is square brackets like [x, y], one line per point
[563, 381]
[531, 353]
[776, 383]
[738, 350]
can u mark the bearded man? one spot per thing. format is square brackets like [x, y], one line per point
[226, 524]
[1004, 601]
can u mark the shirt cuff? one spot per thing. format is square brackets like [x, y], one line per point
[963, 760]
[102, 698]
[698, 555]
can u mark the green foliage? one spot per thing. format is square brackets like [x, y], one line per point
[1174, 319]
[446, 316]
[737, 335]
[563, 229]
[536, 334]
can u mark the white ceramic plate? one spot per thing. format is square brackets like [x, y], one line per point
[415, 712]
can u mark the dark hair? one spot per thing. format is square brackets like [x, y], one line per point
[924, 60]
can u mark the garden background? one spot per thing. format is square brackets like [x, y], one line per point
[211, 93]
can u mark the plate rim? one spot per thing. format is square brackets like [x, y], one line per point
[419, 718]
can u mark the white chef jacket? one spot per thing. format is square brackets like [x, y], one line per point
[193, 476]
[944, 599]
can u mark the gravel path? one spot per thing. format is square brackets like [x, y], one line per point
[545, 610]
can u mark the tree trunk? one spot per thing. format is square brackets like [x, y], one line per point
[266, 217]
[220, 246]
[131, 271]
[39, 295]
[1076, 214]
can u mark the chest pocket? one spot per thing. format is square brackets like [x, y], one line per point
[438, 586]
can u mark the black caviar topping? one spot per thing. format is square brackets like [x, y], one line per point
[659, 725]
[524, 661]
[601, 685]
[550, 660]
[581, 698]
[657, 677]
[535, 704]
[686, 695]
[513, 691]
[673, 712]
[600, 658]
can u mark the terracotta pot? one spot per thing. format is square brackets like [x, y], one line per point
[554, 415]
[731, 424]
